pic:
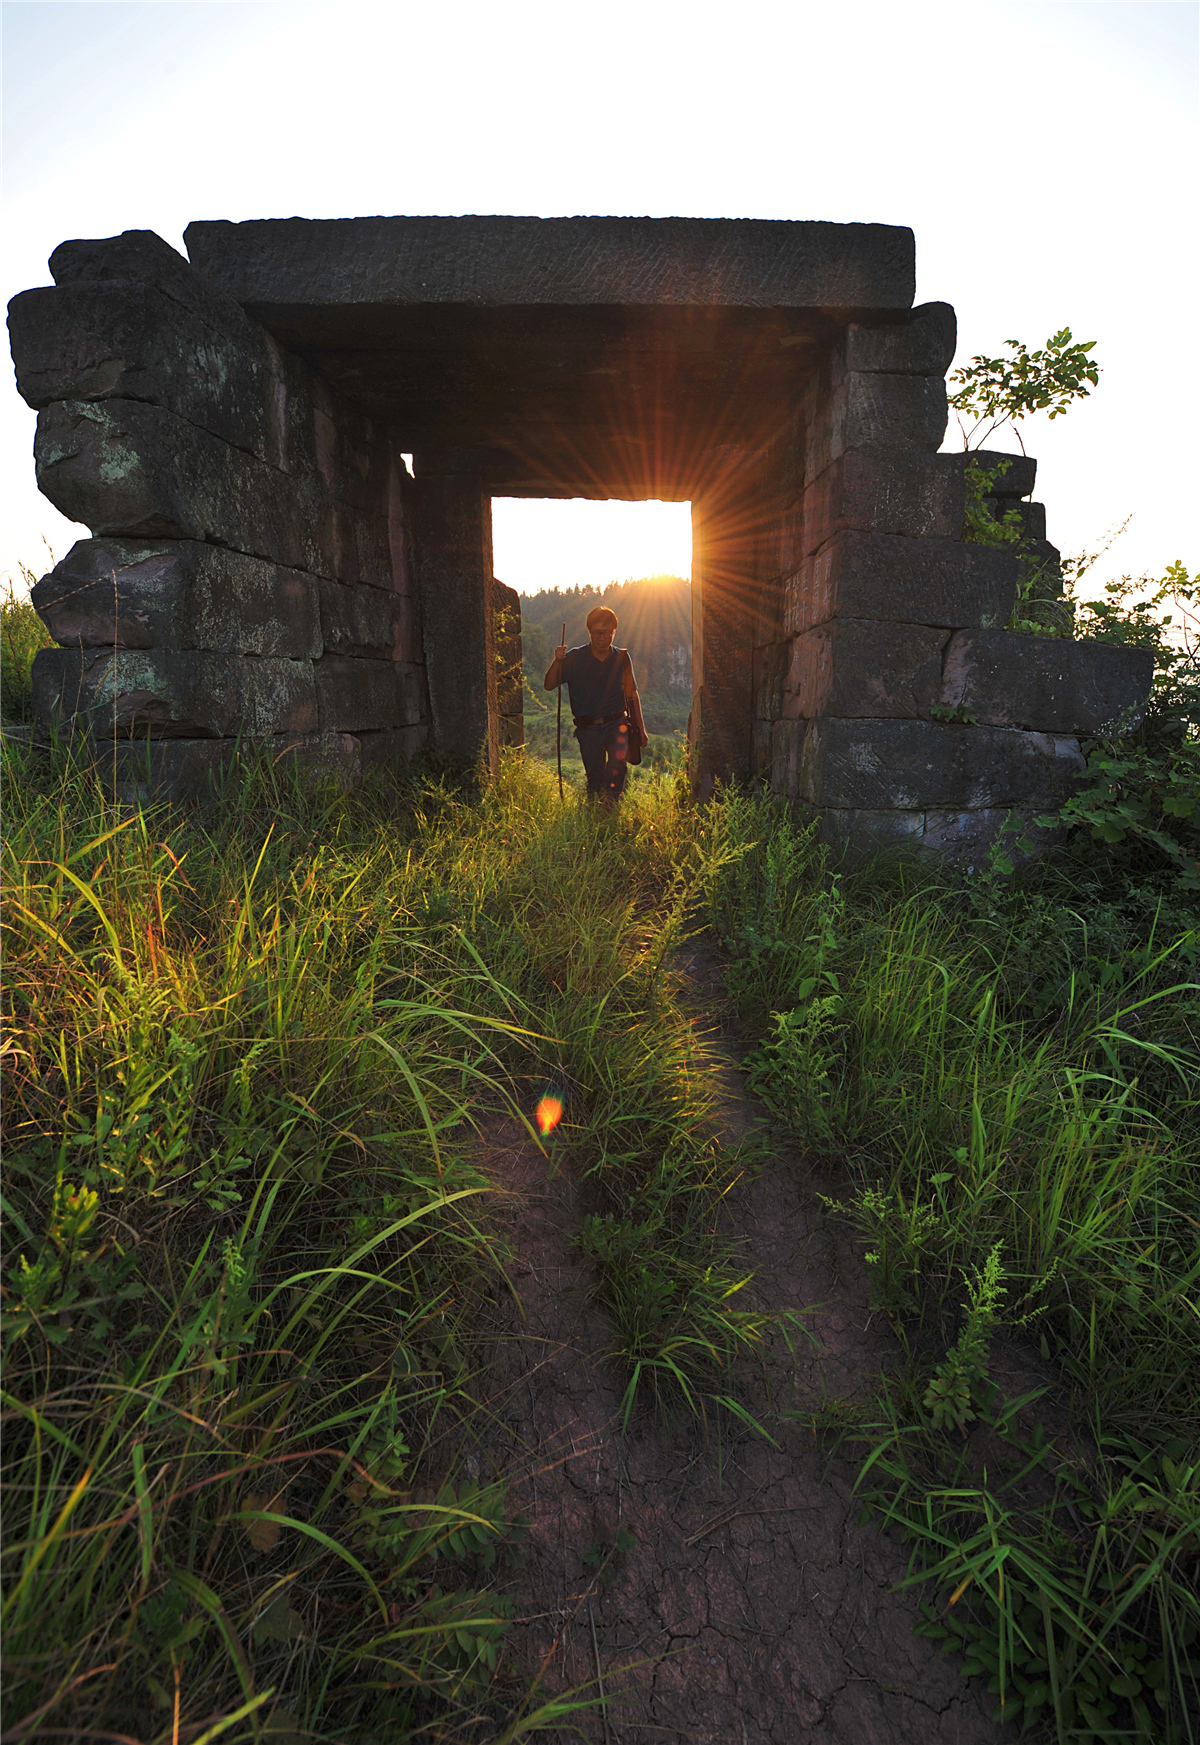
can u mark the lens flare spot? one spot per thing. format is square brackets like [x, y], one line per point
[548, 1115]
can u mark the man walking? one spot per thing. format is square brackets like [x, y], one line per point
[604, 701]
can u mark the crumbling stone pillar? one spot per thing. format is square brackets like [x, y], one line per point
[510, 688]
[250, 575]
[889, 699]
[732, 513]
[454, 545]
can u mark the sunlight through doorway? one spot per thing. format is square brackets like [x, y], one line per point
[564, 556]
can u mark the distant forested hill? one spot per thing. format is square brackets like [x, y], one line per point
[655, 624]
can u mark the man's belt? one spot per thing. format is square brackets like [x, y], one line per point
[600, 720]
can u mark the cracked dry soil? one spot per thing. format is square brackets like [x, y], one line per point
[750, 1607]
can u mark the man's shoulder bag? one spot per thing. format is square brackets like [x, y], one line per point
[633, 739]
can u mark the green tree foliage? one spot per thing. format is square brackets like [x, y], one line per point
[995, 391]
[1143, 792]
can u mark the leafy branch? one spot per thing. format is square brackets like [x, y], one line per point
[995, 391]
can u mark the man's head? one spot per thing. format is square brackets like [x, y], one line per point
[601, 628]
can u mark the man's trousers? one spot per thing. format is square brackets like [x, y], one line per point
[603, 750]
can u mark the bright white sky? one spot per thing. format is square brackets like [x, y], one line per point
[1043, 151]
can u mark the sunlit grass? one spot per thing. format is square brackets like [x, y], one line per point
[248, 1049]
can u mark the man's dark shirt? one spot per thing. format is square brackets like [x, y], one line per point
[596, 687]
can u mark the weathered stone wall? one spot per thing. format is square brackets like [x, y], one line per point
[838, 612]
[251, 573]
[264, 567]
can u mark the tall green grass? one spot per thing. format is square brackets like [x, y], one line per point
[22, 634]
[249, 1047]
[1012, 1079]
[242, 1218]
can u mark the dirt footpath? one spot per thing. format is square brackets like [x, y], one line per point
[738, 1601]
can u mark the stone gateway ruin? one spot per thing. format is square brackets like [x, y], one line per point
[265, 565]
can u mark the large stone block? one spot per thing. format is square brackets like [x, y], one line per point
[919, 496]
[143, 770]
[907, 581]
[115, 593]
[879, 411]
[392, 751]
[964, 838]
[860, 835]
[148, 769]
[787, 750]
[1053, 685]
[172, 694]
[122, 467]
[357, 695]
[1030, 516]
[367, 621]
[923, 345]
[914, 765]
[143, 257]
[100, 340]
[770, 671]
[452, 525]
[372, 550]
[1042, 563]
[177, 340]
[864, 667]
[1014, 479]
[760, 749]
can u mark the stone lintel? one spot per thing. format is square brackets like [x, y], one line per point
[513, 261]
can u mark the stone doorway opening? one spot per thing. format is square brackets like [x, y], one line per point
[564, 556]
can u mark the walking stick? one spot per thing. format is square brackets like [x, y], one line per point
[558, 728]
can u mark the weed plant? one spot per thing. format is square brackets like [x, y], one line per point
[1010, 1074]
